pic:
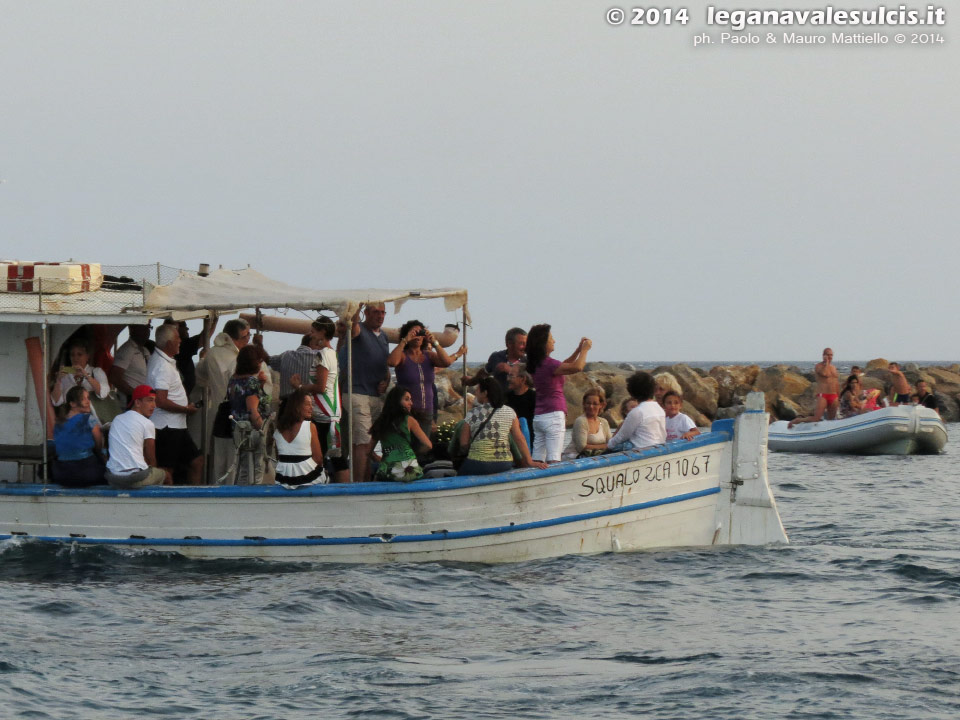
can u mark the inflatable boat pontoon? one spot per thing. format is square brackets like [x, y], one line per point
[901, 430]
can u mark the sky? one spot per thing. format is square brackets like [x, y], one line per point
[735, 202]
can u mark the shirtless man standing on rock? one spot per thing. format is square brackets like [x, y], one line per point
[828, 391]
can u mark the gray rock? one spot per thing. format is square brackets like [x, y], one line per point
[787, 409]
[699, 391]
[734, 382]
[609, 368]
[728, 413]
[446, 395]
[949, 407]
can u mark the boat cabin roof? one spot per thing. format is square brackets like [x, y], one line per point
[225, 290]
[148, 291]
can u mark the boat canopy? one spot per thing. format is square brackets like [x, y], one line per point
[226, 290]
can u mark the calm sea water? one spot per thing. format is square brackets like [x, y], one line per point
[857, 618]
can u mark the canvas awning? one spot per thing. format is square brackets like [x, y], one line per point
[225, 290]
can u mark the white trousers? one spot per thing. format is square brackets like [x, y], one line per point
[548, 430]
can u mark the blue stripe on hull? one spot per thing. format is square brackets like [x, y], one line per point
[805, 434]
[457, 535]
[835, 432]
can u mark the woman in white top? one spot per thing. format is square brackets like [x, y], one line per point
[590, 431]
[299, 457]
[324, 385]
[79, 372]
[645, 425]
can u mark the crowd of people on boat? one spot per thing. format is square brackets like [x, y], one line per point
[854, 399]
[136, 418]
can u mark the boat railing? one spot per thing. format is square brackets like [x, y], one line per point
[122, 291]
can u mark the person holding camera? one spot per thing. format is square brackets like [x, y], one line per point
[414, 359]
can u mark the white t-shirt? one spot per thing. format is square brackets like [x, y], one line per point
[127, 433]
[678, 425]
[644, 426]
[132, 359]
[327, 357]
[162, 374]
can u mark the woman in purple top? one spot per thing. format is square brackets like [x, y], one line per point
[549, 419]
[414, 359]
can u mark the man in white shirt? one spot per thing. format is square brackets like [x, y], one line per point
[133, 457]
[645, 425]
[175, 448]
[130, 364]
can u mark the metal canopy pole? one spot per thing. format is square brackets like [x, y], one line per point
[464, 342]
[349, 339]
[46, 398]
[205, 443]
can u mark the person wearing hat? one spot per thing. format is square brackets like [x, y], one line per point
[133, 452]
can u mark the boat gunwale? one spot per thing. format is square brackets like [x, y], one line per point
[722, 432]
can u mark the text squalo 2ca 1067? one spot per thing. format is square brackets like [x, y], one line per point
[667, 470]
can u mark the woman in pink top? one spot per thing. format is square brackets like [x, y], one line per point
[549, 416]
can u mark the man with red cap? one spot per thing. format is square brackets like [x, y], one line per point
[133, 452]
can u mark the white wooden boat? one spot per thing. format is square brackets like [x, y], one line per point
[712, 490]
[900, 430]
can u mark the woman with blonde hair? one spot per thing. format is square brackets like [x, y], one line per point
[665, 382]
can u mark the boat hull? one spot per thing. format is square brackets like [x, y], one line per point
[902, 430]
[683, 494]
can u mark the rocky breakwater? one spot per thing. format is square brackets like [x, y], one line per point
[721, 391]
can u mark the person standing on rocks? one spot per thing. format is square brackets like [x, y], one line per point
[828, 391]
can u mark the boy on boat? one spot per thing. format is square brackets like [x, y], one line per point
[901, 386]
[133, 452]
[679, 425]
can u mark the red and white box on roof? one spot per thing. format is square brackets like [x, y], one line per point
[45, 277]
